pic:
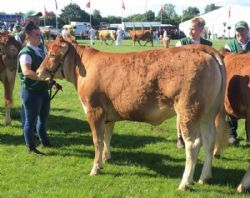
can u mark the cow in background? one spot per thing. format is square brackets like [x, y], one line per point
[9, 49]
[237, 96]
[105, 35]
[138, 35]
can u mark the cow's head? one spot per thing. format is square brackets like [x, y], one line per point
[54, 60]
[9, 49]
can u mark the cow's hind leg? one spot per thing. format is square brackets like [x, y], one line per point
[245, 183]
[208, 138]
[139, 42]
[106, 155]
[97, 125]
[191, 136]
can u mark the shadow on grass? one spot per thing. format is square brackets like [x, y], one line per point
[132, 142]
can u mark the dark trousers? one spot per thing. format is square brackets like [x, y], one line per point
[233, 123]
[35, 111]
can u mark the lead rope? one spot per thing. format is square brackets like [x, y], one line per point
[54, 85]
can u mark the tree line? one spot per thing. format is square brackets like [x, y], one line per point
[167, 15]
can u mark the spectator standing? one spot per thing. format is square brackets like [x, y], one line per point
[239, 44]
[119, 34]
[92, 33]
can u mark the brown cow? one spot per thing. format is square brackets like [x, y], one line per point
[149, 86]
[237, 96]
[9, 49]
[105, 35]
[138, 35]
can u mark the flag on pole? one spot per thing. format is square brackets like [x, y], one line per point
[123, 5]
[46, 13]
[88, 4]
[56, 4]
[229, 12]
[162, 9]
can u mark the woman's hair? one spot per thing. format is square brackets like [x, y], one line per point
[29, 27]
[199, 21]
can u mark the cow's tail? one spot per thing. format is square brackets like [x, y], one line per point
[222, 127]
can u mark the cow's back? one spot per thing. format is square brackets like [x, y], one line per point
[146, 86]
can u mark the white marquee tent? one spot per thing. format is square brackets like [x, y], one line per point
[221, 22]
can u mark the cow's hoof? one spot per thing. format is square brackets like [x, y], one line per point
[184, 187]
[241, 189]
[204, 181]
[95, 171]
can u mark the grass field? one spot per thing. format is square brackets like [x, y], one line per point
[145, 161]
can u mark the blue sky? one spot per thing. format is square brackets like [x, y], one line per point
[113, 7]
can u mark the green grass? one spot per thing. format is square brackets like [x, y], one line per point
[145, 162]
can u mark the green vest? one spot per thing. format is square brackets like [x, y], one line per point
[236, 47]
[188, 41]
[27, 83]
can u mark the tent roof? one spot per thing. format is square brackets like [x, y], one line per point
[219, 19]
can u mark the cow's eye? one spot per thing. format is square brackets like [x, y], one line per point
[52, 55]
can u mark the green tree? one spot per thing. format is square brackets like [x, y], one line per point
[190, 13]
[150, 15]
[96, 18]
[49, 20]
[211, 7]
[168, 15]
[111, 19]
[72, 12]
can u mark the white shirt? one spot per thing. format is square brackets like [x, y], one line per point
[26, 58]
[119, 33]
[91, 32]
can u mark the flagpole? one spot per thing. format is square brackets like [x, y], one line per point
[90, 17]
[56, 22]
[161, 17]
[44, 22]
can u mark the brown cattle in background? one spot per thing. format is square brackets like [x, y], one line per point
[105, 35]
[141, 35]
[149, 86]
[9, 49]
[237, 96]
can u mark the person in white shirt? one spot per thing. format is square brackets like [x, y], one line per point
[165, 39]
[92, 33]
[119, 34]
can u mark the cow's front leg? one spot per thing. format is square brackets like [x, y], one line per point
[8, 101]
[106, 155]
[96, 121]
[247, 127]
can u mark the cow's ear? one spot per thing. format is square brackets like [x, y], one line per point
[65, 47]
[49, 44]
[59, 38]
